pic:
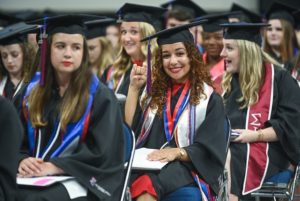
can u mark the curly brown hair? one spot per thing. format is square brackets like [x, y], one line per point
[197, 76]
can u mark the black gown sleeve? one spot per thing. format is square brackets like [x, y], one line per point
[208, 152]
[286, 120]
[10, 139]
[98, 162]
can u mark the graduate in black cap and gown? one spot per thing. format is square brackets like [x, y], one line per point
[182, 12]
[100, 48]
[279, 38]
[243, 15]
[72, 122]
[213, 45]
[10, 140]
[17, 57]
[137, 21]
[262, 102]
[182, 118]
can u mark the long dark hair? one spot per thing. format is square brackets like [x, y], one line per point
[75, 98]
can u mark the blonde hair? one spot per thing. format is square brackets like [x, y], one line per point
[106, 56]
[251, 72]
[73, 102]
[123, 61]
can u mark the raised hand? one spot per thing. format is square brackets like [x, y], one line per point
[138, 76]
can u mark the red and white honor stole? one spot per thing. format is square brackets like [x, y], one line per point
[185, 128]
[257, 153]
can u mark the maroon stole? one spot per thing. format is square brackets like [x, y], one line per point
[257, 153]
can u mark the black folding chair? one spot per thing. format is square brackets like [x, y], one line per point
[129, 154]
[278, 190]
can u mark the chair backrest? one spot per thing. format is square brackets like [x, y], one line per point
[129, 154]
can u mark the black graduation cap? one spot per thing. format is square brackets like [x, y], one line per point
[7, 19]
[244, 31]
[49, 13]
[175, 34]
[245, 15]
[16, 33]
[187, 6]
[69, 23]
[214, 21]
[97, 28]
[28, 15]
[169, 36]
[141, 13]
[279, 10]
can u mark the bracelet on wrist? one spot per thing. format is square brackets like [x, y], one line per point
[260, 135]
[181, 153]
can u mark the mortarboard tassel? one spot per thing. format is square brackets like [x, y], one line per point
[196, 35]
[43, 53]
[149, 81]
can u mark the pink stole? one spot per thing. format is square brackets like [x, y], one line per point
[216, 73]
[257, 153]
[217, 70]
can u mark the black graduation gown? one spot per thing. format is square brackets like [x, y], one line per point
[285, 118]
[18, 98]
[100, 156]
[123, 89]
[10, 139]
[207, 153]
[9, 89]
[287, 65]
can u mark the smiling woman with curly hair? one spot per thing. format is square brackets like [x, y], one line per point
[181, 117]
[197, 76]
